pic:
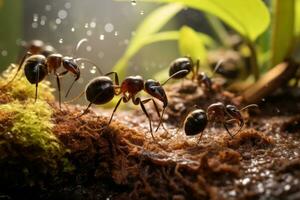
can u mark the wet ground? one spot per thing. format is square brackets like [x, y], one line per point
[122, 161]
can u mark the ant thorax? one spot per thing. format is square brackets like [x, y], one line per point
[216, 112]
[132, 85]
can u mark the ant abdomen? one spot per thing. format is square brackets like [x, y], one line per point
[179, 64]
[100, 90]
[35, 69]
[195, 122]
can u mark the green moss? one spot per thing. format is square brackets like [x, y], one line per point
[21, 89]
[29, 152]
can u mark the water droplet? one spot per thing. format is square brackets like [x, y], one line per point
[58, 21]
[287, 187]
[82, 66]
[93, 70]
[89, 48]
[109, 27]
[34, 25]
[35, 17]
[89, 33]
[73, 29]
[246, 181]
[48, 7]
[93, 24]
[60, 40]
[142, 12]
[101, 37]
[133, 2]
[68, 5]
[116, 33]
[4, 53]
[43, 20]
[62, 14]
[86, 25]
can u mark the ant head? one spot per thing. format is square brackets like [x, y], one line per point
[234, 112]
[70, 65]
[155, 89]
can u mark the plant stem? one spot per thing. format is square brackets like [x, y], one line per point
[253, 60]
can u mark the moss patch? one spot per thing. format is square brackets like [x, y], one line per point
[21, 89]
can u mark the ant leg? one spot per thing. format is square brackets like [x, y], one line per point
[116, 77]
[241, 124]
[225, 126]
[68, 92]
[58, 75]
[115, 109]
[37, 82]
[157, 111]
[199, 138]
[138, 101]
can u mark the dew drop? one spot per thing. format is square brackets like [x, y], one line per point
[89, 33]
[73, 29]
[116, 33]
[93, 70]
[133, 2]
[48, 7]
[60, 40]
[35, 17]
[86, 25]
[4, 53]
[68, 5]
[34, 25]
[109, 27]
[58, 21]
[93, 24]
[62, 14]
[101, 37]
[142, 12]
[89, 48]
[82, 66]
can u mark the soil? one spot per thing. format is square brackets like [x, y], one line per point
[122, 161]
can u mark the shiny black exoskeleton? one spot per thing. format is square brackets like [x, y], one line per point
[186, 63]
[197, 120]
[41, 60]
[102, 89]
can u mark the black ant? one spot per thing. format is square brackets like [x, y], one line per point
[186, 63]
[197, 120]
[102, 89]
[41, 60]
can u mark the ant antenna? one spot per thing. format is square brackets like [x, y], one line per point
[175, 74]
[80, 42]
[75, 98]
[218, 65]
[249, 106]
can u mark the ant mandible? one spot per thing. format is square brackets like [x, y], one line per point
[197, 120]
[102, 89]
[41, 60]
[186, 63]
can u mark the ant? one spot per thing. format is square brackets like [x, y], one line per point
[41, 60]
[186, 63]
[102, 89]
[197, 120]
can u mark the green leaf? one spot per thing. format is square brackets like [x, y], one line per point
[297, 18]
[282, 30]
[190, 44]
[150, 25]
[249, 18]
